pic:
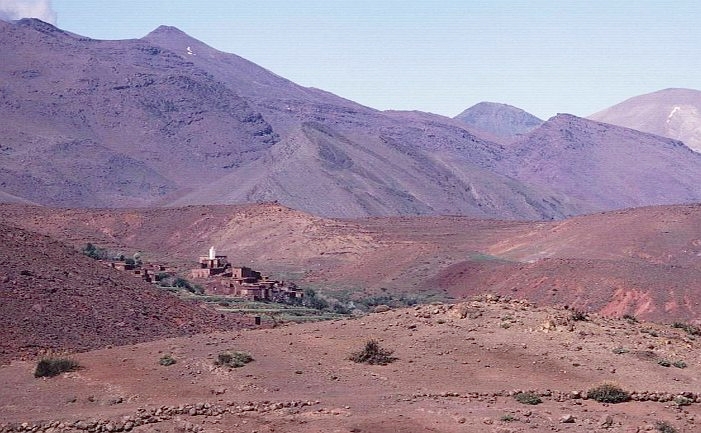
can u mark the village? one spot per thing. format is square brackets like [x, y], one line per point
[217, 276]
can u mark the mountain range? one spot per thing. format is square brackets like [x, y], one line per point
[166, 120]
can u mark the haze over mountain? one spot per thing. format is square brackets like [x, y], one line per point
[167, 120]
[673, 113]
[505, 122]
[605, 166]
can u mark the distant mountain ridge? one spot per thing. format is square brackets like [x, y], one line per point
[605, 166]
[673, 113]
[503, 121]
[168, 121]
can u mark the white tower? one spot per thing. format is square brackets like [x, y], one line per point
[212, 253]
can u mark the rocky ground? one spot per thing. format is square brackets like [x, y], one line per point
[457, 369]
[53, 299]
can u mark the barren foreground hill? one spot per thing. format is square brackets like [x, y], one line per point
[644, 262]
[53, 298]
[457, 369]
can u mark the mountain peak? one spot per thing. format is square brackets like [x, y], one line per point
[503, 121]
[674, 113]
[167, 30]
[169, 33]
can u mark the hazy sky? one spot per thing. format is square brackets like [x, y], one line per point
[573, 56]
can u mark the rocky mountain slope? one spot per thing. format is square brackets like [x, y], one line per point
[645, 262]
[166, 120]
[502, 121]
[605, 166]
[673, 113]
[54, 299]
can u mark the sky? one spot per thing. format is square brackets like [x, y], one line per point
[439, 56]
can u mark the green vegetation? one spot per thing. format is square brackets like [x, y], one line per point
[312, 300]
[528, 398]
[49, 367]
[167, 360]
[608, 393]
[233, 359]
[94, 252]
[167, 281]
[373, 354]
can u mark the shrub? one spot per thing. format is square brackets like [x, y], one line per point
[664, 363]
[233, 359]
[687, 327]
[312, 300]
[373, 354]
[185, 284]
[680, 400]
[528, 398]
[166, 360]
[608, 393]
[664, 427]
[94, 252]
[630, 318]
[579, 316]
[49, 367]
[508, 418]
[679, 364]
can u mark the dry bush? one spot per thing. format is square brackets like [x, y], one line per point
[49, 367]
[528, 398]
[233, 359]
[373, 354]
[608, 393]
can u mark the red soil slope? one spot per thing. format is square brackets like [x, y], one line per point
[644, 261]
[52, 298]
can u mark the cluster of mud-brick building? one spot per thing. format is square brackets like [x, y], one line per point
[149, 272]
[224, 279]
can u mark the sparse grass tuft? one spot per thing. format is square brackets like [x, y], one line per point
[528, 398]
[664, 363]
[49, 367]
[167, 360]
[373, 354]
[233, 359]
[508, 418]
[679, 364]
[608, 393]
[687, 327]
[664, 427]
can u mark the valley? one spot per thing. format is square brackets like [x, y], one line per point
[511, 274]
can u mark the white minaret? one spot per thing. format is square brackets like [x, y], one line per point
[212, 253]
